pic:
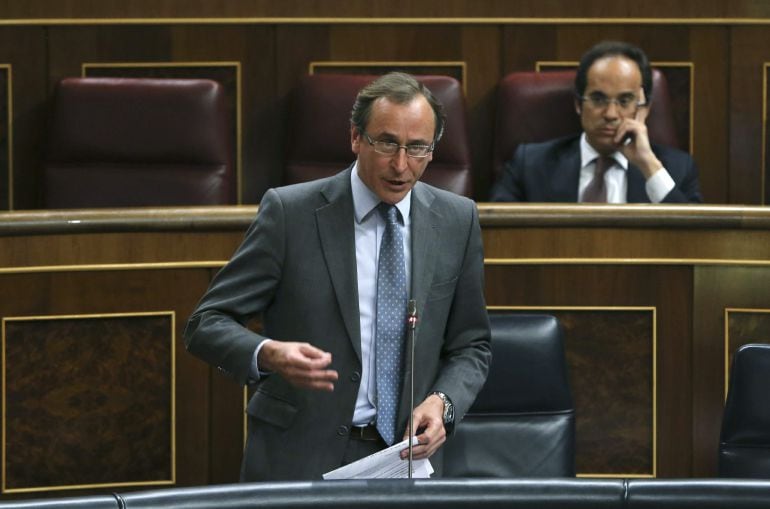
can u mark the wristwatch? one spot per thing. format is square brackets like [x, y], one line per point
[449, 411]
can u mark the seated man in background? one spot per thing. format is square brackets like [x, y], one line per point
[612, 161]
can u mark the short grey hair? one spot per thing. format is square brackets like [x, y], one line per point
[400, 88]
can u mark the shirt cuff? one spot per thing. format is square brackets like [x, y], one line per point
[254, 372]
[659, 185]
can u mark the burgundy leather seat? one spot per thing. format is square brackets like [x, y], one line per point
[126, 142]
[318, 138]
[539, 106]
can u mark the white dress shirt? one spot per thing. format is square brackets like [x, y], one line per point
[616, 178]
[369, 227]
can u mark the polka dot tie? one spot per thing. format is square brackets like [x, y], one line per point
[391, 323]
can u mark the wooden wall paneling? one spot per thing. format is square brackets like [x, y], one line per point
[748, 52]
[36, 251]
[71, 46]
[89, 401]
[384, 8]
[260, 112]
[632, 243]
[94, 291]
[673, 295]
[253, 48]
[667, 289]
[23, 50]
[743, 326]
[523, 45]
[6, 137]
[747, 9]
[609, 352]
[395, 42]
[295, 48]
[481, 50]
[709, 51]
[226, 433]
[718, 288]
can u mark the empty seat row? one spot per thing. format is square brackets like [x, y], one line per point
[152, 142]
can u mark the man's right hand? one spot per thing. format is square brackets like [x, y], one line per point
[301, 364]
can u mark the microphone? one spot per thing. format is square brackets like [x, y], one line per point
[411, 311]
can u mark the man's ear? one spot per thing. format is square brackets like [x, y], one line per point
[355, 139]
[578, 107]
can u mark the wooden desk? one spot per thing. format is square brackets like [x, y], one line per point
[652, 299]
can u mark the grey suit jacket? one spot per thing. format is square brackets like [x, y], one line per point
[550, 172]
[296, 268]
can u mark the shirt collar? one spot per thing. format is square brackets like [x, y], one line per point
[588, 154]
[365, 201]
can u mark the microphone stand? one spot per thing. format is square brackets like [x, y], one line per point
[411, 326]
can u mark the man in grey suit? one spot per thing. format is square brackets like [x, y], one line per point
[612, 161]
[308, 268]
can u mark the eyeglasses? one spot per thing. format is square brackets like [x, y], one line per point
[626, 102]
[388, 148]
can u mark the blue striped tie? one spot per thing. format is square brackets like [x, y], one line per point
[391, 322]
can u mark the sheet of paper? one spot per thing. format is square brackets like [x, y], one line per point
[385, 464]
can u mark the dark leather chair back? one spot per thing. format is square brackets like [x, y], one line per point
[522, 423]
[318, 137]
[744, 443]
[540, 106]
[120, 142]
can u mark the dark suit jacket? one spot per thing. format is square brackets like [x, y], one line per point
[297, 269]
[550, 172]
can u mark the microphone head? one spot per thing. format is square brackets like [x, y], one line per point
[411, 307]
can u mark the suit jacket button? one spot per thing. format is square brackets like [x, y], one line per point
[343, 430]
[355, 377]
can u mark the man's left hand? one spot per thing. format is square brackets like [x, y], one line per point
[429, 422]
[638, 151]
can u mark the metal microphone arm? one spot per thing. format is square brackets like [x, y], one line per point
[411, 326]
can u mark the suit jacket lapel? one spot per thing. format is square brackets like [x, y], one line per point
[566, 178]
[335, 229]
[424, 234]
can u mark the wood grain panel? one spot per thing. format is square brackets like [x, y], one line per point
[101, 409]
[482, 52]
[716, 290]
[709, 50]
[743, 326]
[382, 8]
[137, 291]
[24, 50]
[667, 289]
[749, 50]
[252, 47]
[6, 137]
[610, 358]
